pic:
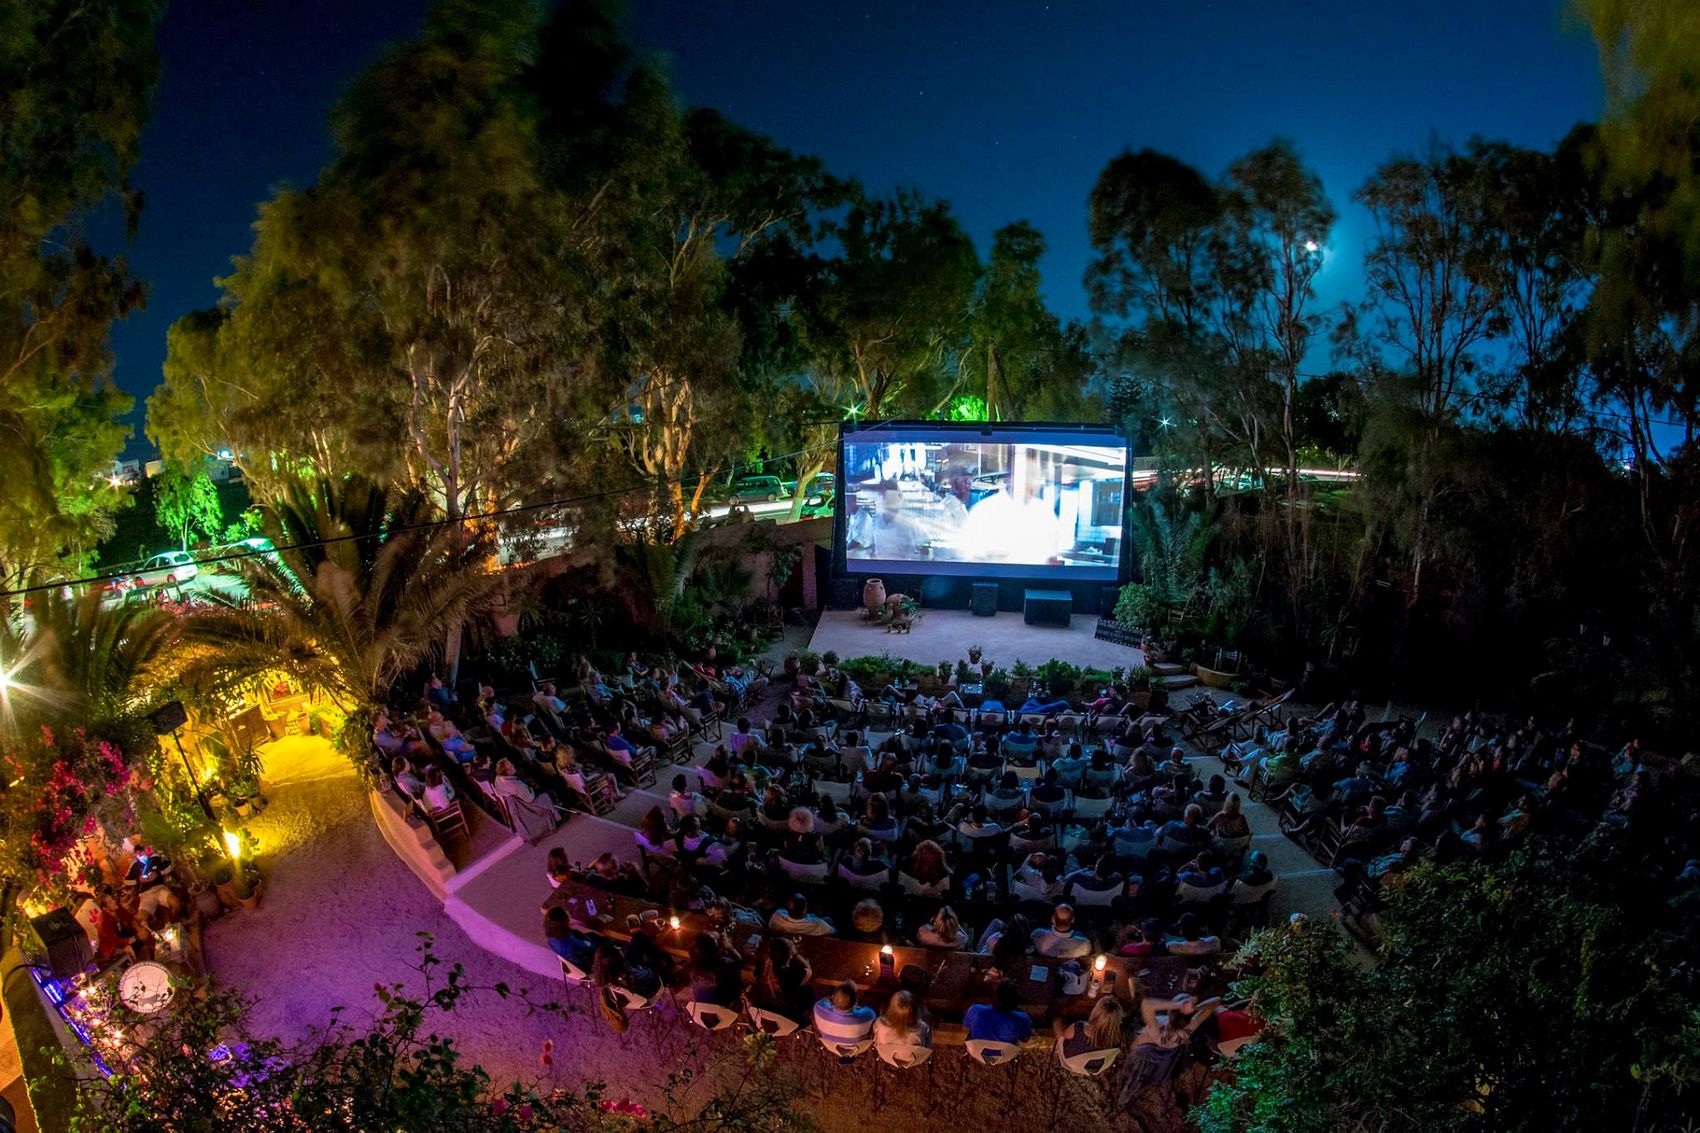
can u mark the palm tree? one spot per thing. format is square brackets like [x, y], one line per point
[1171, 533]
[79, 658]
[362, 588]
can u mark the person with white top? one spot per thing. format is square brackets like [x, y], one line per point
[796, 920]
[901, 1027]
[685, 801]
[1060, 941]
[438, 792]
[840, 1020]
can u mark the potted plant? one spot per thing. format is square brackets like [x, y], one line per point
[944, 670]
[1020, 677]
[253, 885]
[986, 668]
[998, 685]
[964, 673]
[808, 662]
[974, 654]
[224, 883]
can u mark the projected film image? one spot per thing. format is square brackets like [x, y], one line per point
[1001, 507]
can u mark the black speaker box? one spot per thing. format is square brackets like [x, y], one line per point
[168, 718]
[984, 602]
[64, 945]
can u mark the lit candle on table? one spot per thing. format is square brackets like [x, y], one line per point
[888, 961]
[673, 922]
[1098, 966]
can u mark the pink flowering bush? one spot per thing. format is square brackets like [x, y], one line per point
[56, 786]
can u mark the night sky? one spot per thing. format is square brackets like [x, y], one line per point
[1007, 109]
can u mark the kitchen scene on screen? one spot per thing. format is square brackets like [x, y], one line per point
[1056, 505]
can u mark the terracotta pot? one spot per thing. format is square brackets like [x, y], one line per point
[873, 594]
[226, 893]
[254, 895]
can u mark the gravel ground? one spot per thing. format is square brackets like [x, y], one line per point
[341, 912]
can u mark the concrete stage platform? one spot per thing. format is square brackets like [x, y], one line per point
[945, 635]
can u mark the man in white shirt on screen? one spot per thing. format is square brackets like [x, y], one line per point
[1014, 525]
[892, 534]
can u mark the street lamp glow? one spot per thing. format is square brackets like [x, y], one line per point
[232, 845]
[1166, 422]
[1312, 246]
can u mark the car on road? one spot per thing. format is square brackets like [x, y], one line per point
[819, 503]
[230, 557]
[751, 488]
[168, 568]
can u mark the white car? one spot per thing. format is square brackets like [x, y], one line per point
[168, 568]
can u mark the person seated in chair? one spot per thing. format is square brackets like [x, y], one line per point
[1039, 707]
[862, 860]
[1060, 941]
[1171, 1022]
[840, 1020]
[1001, 1020]
[1102, 1030]
[449, 738]
[796, 920]
[1189, 939]
[1103, 877]
[1185, 836]
[902, 1026]
[407, 781]
[575, 947]
[745, 739]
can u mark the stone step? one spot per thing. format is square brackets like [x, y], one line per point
[1167, 669]
[1178, 681]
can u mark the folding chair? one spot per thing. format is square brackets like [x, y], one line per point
[1027, 776]
[810, 873]
[901, 1056]
[448, 823]
[643, 767]
[573, 974]
[840, 793]
[630, 999]
[989, 1053]
[709, 1016]
[773, 1024]
[847, 1051]
[1086, 807]
[1088, 1064]
[872, 882]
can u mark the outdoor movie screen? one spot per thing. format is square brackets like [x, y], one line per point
[999, 501]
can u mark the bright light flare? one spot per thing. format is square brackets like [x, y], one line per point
[1312, 246]
[233, 845]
